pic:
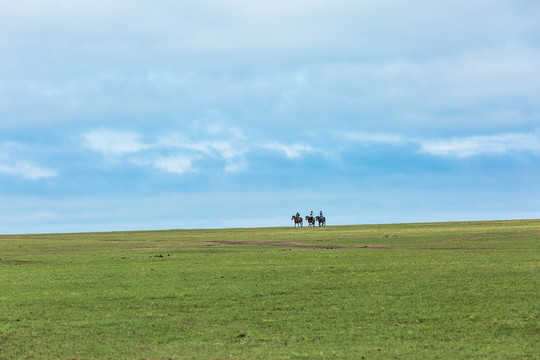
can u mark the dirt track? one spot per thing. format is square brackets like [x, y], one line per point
[426, 245]
[284, 244]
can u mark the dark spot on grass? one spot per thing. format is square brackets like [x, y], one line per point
[17, 262]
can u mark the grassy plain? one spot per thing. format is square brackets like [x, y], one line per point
[468, 290]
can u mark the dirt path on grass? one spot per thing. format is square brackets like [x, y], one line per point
[291, 244]
[305, 244]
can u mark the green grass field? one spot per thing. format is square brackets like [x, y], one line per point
[468, 290]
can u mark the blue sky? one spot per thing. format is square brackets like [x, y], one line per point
[130, 115]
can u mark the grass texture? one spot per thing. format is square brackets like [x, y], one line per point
[467, 290]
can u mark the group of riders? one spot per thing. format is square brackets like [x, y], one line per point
[310, 219]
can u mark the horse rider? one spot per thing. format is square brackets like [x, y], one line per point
[311, 215]
[297, 215]
[320, 213]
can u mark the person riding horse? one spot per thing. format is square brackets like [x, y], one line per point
[321, 219]
[310, 219]
[297, 219]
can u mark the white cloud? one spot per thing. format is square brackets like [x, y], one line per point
[226, 149]
[193, 152]
[27, 170]
[175, 164]
[14, 161]
[231, 152]
[462, 147]
[371, 138]
[217, 141]
[222, 148]
[114, 142]
[291, 151]
[477, 145]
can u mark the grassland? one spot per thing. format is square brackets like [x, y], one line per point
[467, 290]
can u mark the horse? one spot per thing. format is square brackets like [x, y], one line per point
[321, 220]
[297, 220]
[310, 220]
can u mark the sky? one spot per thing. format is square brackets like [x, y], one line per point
[132, 115]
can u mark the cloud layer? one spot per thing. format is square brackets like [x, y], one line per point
[233, 150]
[369, 109]
[16, 160]
[484, 145]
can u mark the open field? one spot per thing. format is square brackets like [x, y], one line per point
[409, 291]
